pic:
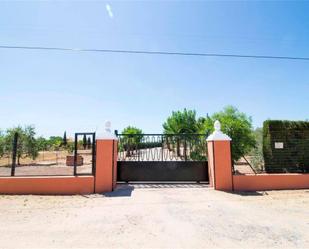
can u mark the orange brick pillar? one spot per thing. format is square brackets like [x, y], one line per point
[106, 161]
[220, 160]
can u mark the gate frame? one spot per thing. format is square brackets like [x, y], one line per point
[156, 158]
[93, 147]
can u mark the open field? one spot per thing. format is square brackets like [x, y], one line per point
[157, 216]
[47, 163]
[44, 158]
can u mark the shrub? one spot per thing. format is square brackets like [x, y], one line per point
[294, 156]
[238, 126]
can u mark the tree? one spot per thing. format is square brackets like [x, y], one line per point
[257, 152]
[26, 145]
[2, 144]
[238, 126]
[42, 143]
[85, 141]
[131, 139]
[180, 122]
[54, 142]
[131, 130]
[65, 141]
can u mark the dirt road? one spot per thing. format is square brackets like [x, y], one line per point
[159, 216]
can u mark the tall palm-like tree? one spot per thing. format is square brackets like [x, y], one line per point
[131, 139]
[180, 122]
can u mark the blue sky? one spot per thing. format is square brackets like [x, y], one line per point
[79, 91]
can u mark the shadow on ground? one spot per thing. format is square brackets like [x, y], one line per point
[141, 185]
[124, 190]
[248, 193]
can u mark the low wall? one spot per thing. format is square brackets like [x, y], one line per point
[47, 185]
[270, 182]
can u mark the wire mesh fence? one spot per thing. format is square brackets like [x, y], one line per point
[277, 154]
[24, 158]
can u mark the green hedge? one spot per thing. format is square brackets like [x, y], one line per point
[294, 157]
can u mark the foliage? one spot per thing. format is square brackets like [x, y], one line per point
[2, 144]
[70, 147]
[134, 134]
[27, 144]
[42, 143]
[132, 139]
[294, 157]
[181, 122]
[55, 142]
[238, 126]
[64, 140]
[257, 159]
[184, 122]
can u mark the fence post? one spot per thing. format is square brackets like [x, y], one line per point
[220, 159]
[14, 154]
[75, 155]
[106, 161]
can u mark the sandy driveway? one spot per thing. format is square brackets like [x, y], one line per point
[165, 216]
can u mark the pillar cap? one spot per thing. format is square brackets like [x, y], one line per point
[218, 135]
[106, 134]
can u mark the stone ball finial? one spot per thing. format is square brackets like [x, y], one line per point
[217, 125]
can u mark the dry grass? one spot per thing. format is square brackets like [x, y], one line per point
[44, 157]
[47, 163]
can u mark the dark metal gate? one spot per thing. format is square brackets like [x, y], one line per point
[162, 157]
[84, 153]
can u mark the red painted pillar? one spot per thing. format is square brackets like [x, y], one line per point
[106, 162]
[220, 160]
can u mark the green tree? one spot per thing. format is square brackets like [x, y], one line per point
[42, 143]
[131, 139]
[256, 153]
[131, 130]
[180, 122]
[55, 142]
[70, 147]
[84, 142]
[238, 126]
[2, 144]
[64, 140]
[27, 144]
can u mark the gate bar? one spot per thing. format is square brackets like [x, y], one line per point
[14, 153]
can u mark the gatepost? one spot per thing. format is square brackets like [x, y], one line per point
[220, 159]
[106, 161]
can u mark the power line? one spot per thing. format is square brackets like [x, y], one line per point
[157, 53]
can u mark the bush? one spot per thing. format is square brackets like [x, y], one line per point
[238, 126]
[294, 157]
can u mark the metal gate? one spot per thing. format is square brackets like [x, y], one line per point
[84, 160]
[162, 157]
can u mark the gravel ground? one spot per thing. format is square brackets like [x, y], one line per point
[157, 216]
